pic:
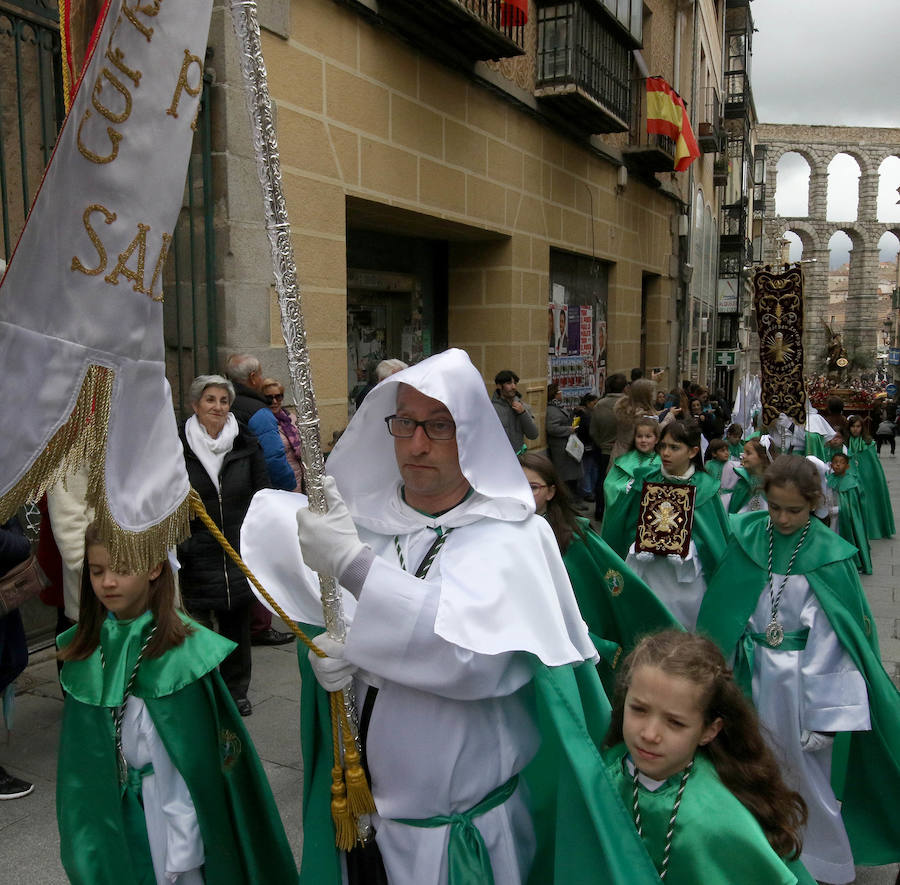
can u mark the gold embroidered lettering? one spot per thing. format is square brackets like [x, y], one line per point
[136, 276]
[149, 9]
[109, 218]
[182, 84]
[117, 57]
[120, 88]
[157, 271]
[114, 137]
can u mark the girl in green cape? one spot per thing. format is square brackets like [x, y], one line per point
[615, 603]
[734, 437]
[158, 780]
[679, 583]
[864, 464]
[742, 487]
[717, 456]
[787, 606]
[634, 465]
[846, 509]
[685, 752]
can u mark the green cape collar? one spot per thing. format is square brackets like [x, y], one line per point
[103, 684]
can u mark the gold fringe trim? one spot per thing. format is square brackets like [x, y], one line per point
[81, 441]
[63, 34]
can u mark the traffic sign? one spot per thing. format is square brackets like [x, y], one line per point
[891, 390]
[894, 356]
[726, 357]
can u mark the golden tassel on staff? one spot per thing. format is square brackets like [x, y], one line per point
[351, 799]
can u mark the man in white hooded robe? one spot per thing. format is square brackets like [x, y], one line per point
[425, 462]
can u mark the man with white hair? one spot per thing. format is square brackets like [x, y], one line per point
[251, 408]
[465, 646]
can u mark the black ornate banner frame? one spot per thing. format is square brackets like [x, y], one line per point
[778, 299]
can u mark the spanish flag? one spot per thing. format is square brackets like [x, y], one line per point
[667, 115]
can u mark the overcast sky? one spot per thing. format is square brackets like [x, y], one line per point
[834, 63]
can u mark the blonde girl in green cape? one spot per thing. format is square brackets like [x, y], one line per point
[158, 780]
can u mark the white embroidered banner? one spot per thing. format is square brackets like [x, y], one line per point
[82, 368]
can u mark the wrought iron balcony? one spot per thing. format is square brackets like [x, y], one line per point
[710, 132]
[646, 152]
[738, 97]
[474, 29]
[584, 67]
[720, 171]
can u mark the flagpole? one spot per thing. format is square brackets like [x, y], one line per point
[278, 229]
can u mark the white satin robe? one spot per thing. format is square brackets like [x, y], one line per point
[448, 726]
[817, 689]
[176, 845]
[678, 585]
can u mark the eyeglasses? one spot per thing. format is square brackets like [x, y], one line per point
[435, 428]
[274, 398]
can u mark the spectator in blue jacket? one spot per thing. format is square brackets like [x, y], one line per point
[250, 408]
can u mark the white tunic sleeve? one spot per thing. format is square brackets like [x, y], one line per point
[834, 695]
[393, 637]
[173, 830]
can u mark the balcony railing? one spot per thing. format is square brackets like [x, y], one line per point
[737, 94]
[474, 29]
[710, 132]
[646, 151]
[584, 67]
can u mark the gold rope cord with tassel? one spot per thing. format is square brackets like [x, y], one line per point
[82, 440]
[350, 794]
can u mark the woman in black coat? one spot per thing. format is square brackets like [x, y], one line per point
[226, 466]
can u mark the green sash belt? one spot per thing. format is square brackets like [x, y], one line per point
[794, 640]
[135, 824]
[467, 856]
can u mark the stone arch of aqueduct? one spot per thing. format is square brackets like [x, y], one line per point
[818, 145]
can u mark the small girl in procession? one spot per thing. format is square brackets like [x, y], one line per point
[865, 465]
[679, 583]
[631, 467]
[786, 605]
[717, 456]
[742, 486]
[158, 780]
[685, 753]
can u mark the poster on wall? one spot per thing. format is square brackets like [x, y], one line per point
[560, 330]
[573, 340]
[600, 351]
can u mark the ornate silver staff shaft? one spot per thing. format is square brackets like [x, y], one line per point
[268, 167]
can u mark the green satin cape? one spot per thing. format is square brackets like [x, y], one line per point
[743, 491]
[710, 530]
[584, 832]
[203, 734]
[815, 445]
[864, 462]
[615, 603]
[717, 840]
[631, 466]
[851, 524]
[735, 450]
[865, 764]
[714, 468]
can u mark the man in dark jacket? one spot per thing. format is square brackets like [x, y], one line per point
[603, 433]
[250, 408]
[514, 415]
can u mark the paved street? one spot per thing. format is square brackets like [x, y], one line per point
[28, 826]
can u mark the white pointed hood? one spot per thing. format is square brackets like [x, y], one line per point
[365, 468]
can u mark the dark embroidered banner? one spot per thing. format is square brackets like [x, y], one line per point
[778, 299]
[665, 518]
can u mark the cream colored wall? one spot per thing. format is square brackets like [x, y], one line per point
[362, 114]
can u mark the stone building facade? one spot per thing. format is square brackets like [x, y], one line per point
[437, 203]
[818, 145]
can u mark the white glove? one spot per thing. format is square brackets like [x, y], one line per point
[811, 741]
[644, 556]
[332, 673]
[328, 541]
[675, 558]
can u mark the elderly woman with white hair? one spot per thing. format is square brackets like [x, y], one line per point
[226, 467]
